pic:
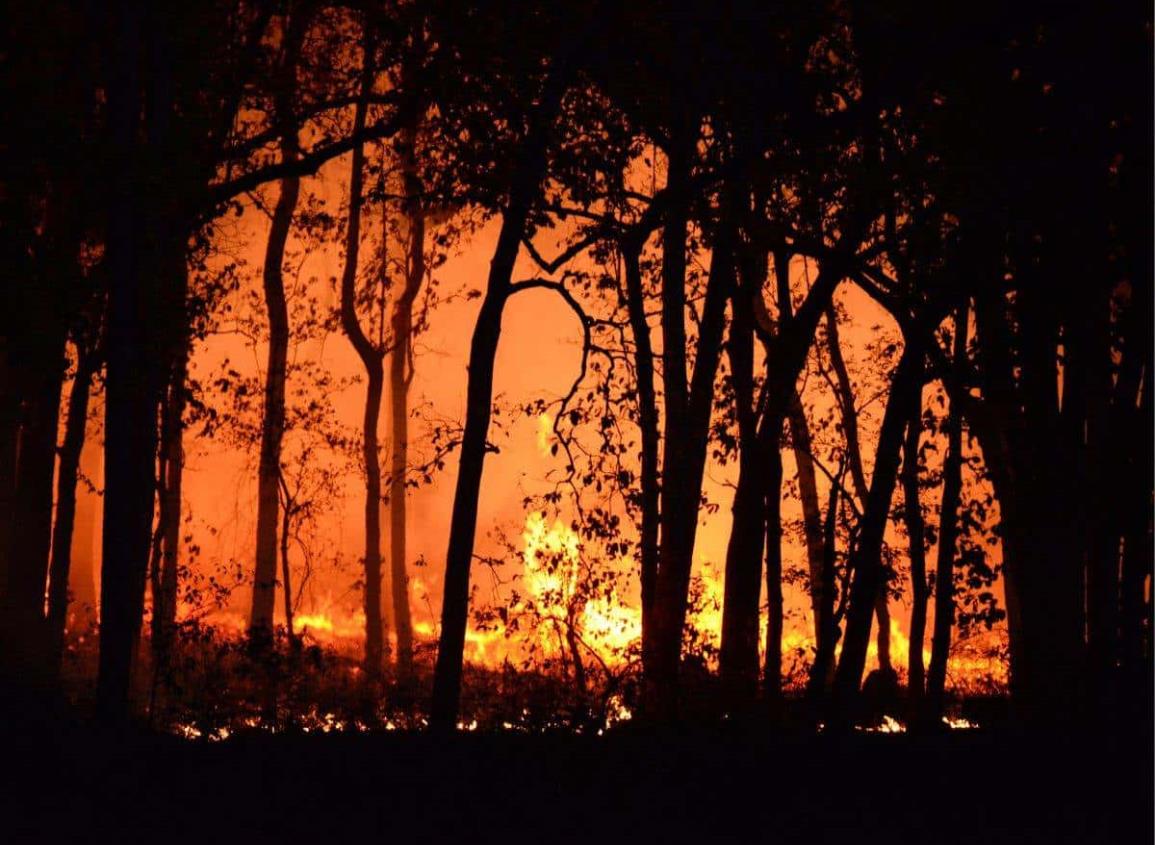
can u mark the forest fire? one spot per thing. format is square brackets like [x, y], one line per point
[663, 373]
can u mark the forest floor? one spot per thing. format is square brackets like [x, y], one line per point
[71, 783]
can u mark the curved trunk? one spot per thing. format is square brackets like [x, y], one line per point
[273, 422]
[372, 360]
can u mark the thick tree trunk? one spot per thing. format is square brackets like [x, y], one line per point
[868, 578]
[944, 606]
[649, 482]
[273, 421]
[739, 653]
[60, 567]
[131, 386]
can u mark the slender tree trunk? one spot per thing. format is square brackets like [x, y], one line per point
[286, 575]
[479, 398]
[866, 560]
[822, 670]
[944, 606]
[849, 416]
[772, 679]
[273, 421]
[60, 567]
[821, 600]
[400, 376]
[165, 581]
[920, 593]
[372, 360]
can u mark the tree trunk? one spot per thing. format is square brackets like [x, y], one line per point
[131, 384]
[866, 560]
[944, 607]
[739, 653]
[687, 422]
[165, 584]
[649, 482]
[372, 360]
[400, 376]
[273, 422]
[912, 512]
[848, 413]
[286, 574]
[60, 567]
[479, 398]
[772, 680]
[822, 670]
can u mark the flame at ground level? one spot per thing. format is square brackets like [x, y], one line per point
[555, 599]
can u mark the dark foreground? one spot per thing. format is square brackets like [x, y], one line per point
[74, 784]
